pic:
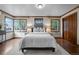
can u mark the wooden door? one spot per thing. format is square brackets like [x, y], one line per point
[70, 28]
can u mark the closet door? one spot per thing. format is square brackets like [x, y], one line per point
[70, 28]
[65, 28]
[74, 28]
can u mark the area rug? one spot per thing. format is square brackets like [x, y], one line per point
[16, 51]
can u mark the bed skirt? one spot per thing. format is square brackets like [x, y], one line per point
[38, 48]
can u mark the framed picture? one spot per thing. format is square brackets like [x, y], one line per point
[38, 22]
[55, 25]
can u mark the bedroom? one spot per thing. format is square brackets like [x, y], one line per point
[21, 20]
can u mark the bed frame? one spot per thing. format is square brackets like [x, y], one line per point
[38, 48]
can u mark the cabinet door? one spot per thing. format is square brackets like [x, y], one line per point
[2, 38]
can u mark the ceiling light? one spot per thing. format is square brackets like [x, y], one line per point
[40, 6]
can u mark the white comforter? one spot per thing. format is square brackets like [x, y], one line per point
[38, 39]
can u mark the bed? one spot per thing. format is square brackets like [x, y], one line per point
[38, 41]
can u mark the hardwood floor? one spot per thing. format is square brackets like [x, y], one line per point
[71, 48]
[8, 45]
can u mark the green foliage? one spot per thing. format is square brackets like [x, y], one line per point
[20, 24]
[55, 24]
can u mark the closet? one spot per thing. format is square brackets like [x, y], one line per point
[70, 28]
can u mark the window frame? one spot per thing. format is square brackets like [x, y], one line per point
[57, 30]
[5, 24]
[20, 23]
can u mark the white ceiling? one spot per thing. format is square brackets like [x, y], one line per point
[31, 10]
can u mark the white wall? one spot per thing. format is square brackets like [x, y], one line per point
[30, 21]
[76, 10]
[20, 34]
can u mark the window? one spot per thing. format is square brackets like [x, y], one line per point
[8, 24]
[55, 24]
[20, 25]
